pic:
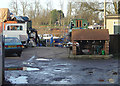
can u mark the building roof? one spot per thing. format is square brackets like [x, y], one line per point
[114, 16]
[90, 34]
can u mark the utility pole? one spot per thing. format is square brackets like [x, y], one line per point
[104, 14]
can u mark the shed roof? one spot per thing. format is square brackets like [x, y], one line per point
[90, 34]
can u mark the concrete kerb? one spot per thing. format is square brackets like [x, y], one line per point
[90, 56]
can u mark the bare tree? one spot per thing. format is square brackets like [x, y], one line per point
[24, 6]
[49, 8]
[61, 6]
[31, 11]
[98, 7]
[90, 10]
[69, 11]
[14, 6]
[37, 7]
[81, 10]
[39, 15]
[115, 7]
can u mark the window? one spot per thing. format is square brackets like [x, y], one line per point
[85, 24]
[73, 25]
[14, 27]
[21, 28]
[78, 23]
[8, 28]
[117, 29]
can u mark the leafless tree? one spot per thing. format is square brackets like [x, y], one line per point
[24, 6]
[48, 9]
[91, 10]
[31, 11]
[37, 7]
[115, 7]
[14, 6]
[69, 11]
[61, 6]
[81, 10]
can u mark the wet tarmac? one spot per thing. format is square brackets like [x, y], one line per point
[43, 70]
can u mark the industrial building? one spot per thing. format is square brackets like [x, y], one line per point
[113, 25]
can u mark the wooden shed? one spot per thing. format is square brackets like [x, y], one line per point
[93, 40]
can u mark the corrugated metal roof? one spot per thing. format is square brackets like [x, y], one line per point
[90, 34]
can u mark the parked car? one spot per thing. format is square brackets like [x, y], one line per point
[13, 45]
[69, 44]
[58, 42]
